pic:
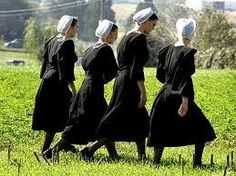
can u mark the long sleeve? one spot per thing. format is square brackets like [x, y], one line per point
[67, 61]
[141, 55]
[189, 65]
[160, 72]
[109, 64]
[189, 68]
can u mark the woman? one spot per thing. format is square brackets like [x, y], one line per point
[176, 120]
[89, 105]
[126, 118]
[57, 88]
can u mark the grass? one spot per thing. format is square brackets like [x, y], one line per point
[215, 94]
[18, 54]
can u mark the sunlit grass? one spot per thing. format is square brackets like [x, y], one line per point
[214, 92]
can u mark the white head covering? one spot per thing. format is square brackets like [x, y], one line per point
[65, 23]
[143, 15]
[104, 28]
[185, 27]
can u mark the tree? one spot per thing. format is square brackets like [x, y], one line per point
[165, 33]
[108, 12]
[92, 16]
[215, 40]
[12, 24]
[90, 20]
[36, 35]
[33, 34]
[213, 29]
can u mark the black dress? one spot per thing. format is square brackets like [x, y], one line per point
[174, 69]
[124, 120]
[53, 97]
[90, 105]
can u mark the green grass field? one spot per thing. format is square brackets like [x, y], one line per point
[215, 94]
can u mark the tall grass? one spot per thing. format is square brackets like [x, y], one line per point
[215, 94]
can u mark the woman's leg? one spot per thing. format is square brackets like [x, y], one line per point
[61, 144]
[157, 154]
[111, 148]
[89, 151]
[49, 136]
[141, 149]
[197, 159]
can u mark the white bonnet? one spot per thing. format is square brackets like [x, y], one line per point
[104, 28]
[143, 15]
[65, 23]
[186, 27]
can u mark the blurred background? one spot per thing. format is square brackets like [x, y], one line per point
[25, 25]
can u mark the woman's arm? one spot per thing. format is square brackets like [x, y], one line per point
[183, 109]
[73, 89]
[143, 95]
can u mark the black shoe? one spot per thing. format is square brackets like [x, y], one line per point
[200, 166]
[85, 154]
[47, 154]
[114, 156]
[70, 148]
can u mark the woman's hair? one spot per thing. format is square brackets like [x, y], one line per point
[153, 17]
[114, 27]
[74, 21]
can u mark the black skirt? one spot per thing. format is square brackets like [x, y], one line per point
[51, 105]
[168, 129]
[86, 112]
[124, 120]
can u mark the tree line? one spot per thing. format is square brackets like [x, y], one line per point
[214, 39]
[13, 21]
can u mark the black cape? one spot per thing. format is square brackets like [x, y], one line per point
[124, 120]
[90, 105]
[174, 69]
[53, 97]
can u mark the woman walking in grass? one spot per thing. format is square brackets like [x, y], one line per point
[57, 88]
[126, 118]
[176, 120]
[90, 105]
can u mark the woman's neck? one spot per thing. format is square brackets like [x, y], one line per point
[183, 42]
[186, 41]
[136, 29]
[102, 40]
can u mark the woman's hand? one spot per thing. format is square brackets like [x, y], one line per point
[73, 90]
[143, 95]
[143, 99]
[183, 109]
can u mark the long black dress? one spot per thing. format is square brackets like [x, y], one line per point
[90, 105]
[174, 69]
[124, 120]
[53, 97]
